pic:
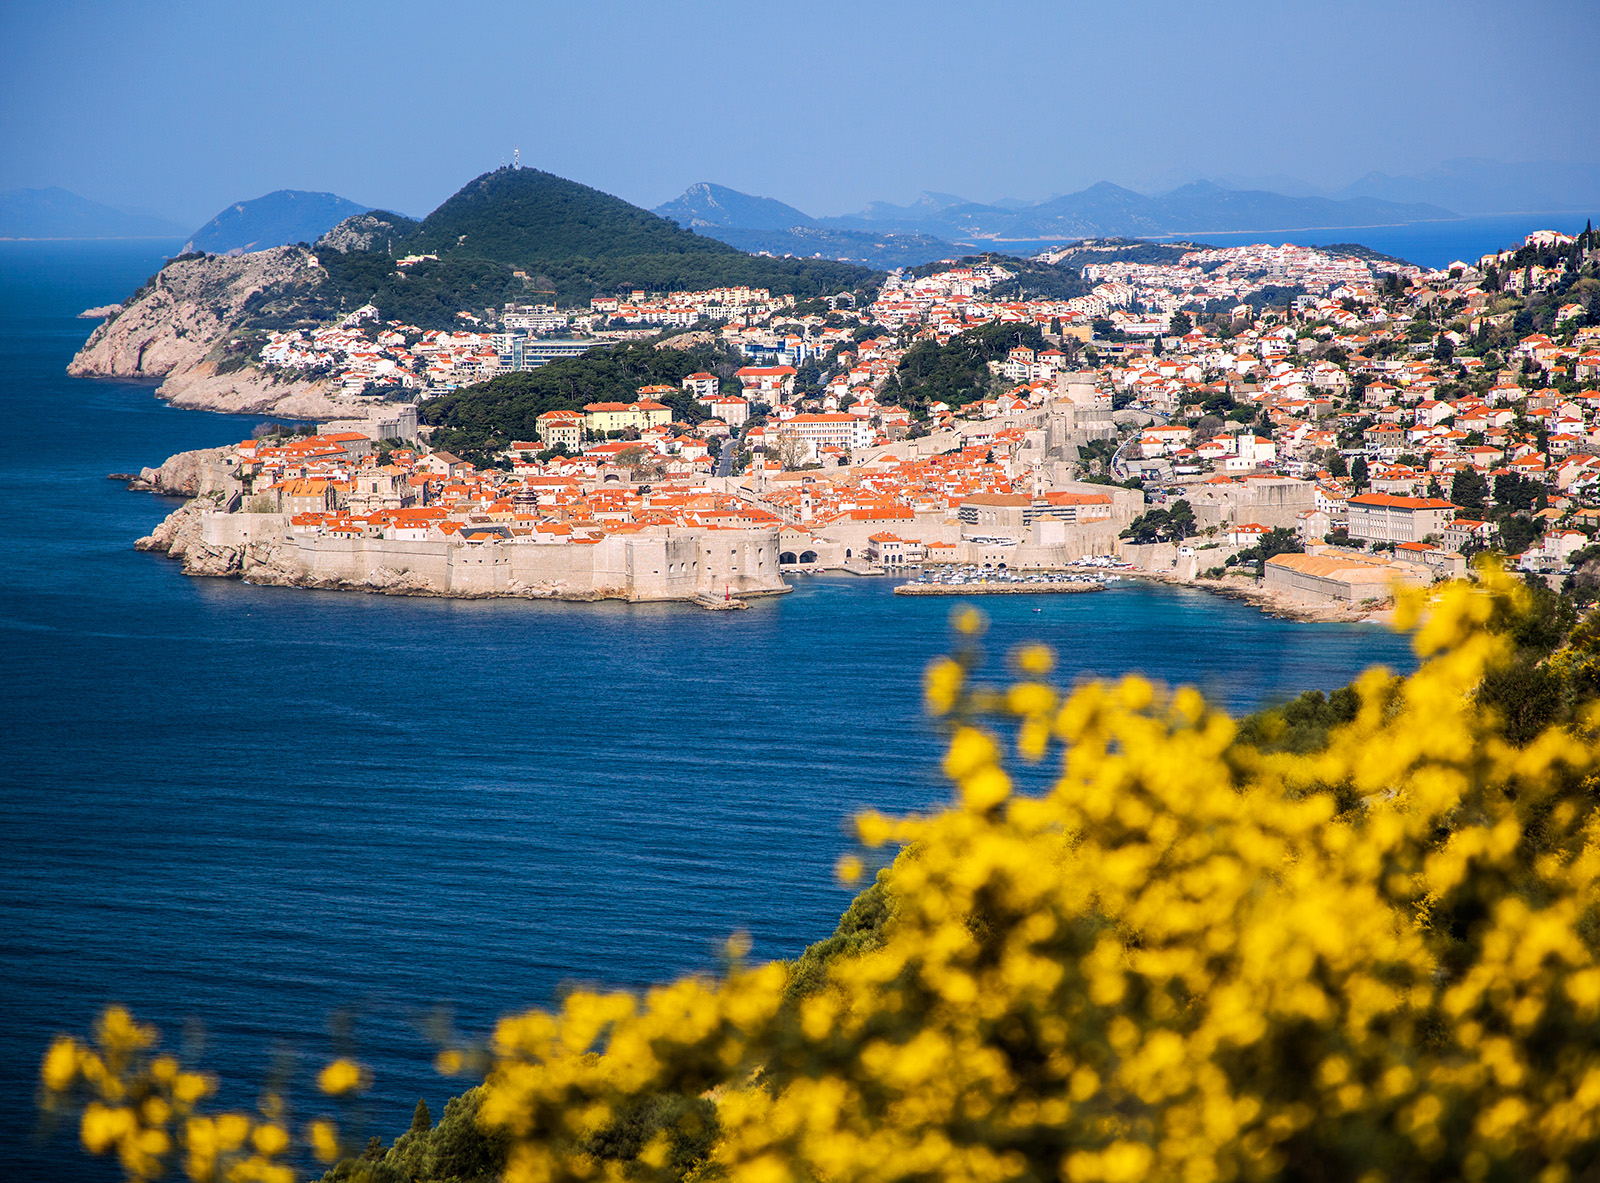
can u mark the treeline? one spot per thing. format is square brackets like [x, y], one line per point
[958, 372]
[1271, 296]
[1130, 250]
[1031, 279]
[477, 422]
[430, 293]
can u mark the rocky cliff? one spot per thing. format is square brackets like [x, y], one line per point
[205, 472]
[181, 536]
[175, 327]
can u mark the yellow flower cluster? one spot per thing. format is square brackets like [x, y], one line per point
[144, 1108]
[1183, 962]
[1188, 960]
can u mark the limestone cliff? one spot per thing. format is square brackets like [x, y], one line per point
[201, 473]
[175, 326]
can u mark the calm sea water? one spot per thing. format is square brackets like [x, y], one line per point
[259, 815]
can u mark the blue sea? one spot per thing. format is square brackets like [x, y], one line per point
[283, 824]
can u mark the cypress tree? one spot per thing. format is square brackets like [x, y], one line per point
[421, 1120]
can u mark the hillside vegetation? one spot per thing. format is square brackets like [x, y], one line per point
[956, 372]
[1031, 278]
[570, 241]
[477, 422]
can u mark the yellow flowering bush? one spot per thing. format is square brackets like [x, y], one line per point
[1190, 959]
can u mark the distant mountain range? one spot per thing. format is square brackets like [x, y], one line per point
[1477, 186]
[705, 204]
[942, 224]
[56, 213]
[280, 218]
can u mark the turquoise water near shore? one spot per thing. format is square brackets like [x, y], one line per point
[257, 815]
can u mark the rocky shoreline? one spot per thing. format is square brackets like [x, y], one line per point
[1272, 603]
[180, 537]
[172, 332]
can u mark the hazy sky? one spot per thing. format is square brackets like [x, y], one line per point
[180, 108]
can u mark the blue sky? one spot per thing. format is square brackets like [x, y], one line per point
[180, 108]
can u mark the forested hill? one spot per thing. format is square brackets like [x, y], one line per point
[524, 215]
[477, 422]
[1031, 278]
[572, 242]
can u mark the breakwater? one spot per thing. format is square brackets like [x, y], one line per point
[994, 589]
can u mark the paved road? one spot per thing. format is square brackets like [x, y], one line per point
[725, 464]
[1118, 469]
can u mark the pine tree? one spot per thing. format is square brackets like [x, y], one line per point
[421, 1120]
[1468, 489]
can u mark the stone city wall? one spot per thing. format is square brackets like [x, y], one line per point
[657, 564]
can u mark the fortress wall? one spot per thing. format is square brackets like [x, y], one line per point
[237, 529]
[653, 566]
[483, 570]
[739, 561]
[1270, 503]
[662, 564]
[561, 566]
[425, 565]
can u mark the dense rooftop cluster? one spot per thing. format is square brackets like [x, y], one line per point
[1466, 396]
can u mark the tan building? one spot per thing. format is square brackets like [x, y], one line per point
[560, 427]
[890, 550]
[1079, 508]
[652, 413]
[1005, 515]
[307, 495]
[1380, 517]
[1343, 578]
[601, 418]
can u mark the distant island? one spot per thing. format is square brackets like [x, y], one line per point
[54, 213]
[278, 219]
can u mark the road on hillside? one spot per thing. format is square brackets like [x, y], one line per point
[725, 465]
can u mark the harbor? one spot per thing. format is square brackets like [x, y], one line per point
[971, 582]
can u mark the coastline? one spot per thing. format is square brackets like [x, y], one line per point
[262, 552]
[173, 331]
[243, 392]
[1271, 603]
